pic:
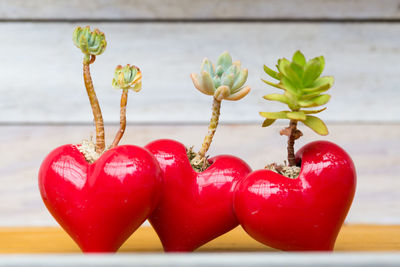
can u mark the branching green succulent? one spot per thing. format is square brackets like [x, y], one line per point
[92, 44]
[303, 88]
[225, 81]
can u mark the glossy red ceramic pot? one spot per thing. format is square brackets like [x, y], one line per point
[100, 204]
[305, 213]
[194, 207]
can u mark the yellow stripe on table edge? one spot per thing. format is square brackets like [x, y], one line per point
[55, 240]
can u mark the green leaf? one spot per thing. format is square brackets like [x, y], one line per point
[271, 72]
[275, 115]
[224, 60]
[207, 66]
[322, 62]
[322, 81]
[277, 97]
[277, 85]
[298, 69]
[268, 122]
[313, 111]
[227, 80]
[299, 58]
[240, 80]
[288, 86]
[283, 63]
[296, 115]
[312, 71]
[206, 82]
[319, 89]
[316, 124]
[314, 102]
[309, 93]
[293, 76]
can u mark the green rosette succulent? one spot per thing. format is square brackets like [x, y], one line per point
[89, 42]
[303, 88]
[127, 77]
[223, 81]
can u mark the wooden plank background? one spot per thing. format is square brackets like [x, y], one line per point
[204, 10]
[42, 80]
[43, 102]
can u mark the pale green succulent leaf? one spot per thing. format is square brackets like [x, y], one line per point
[207, 83]
[217, 81]
[316, 124]
[240, 80]
[275, 115]
[278, 97]
[314, 102]
[271, 73]
[312, 70]
[207, 66]
[219, 71]
[233, 69]
[313, 111]
[288, 85]
[268, 122]
[277, 85]
[322, 63]
[299, 58]
[224, 60]
[319, 89]
[228, 80]
[296, 115]
[283, 64]
[299, 70]
[322, 81]
[292, 75]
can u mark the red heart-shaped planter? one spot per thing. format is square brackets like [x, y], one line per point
[194, 207]
[100, 204]
[305, 213]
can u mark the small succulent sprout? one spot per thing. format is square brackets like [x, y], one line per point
[303, 88]
[127, 77]
[223, 81]
[91, 43]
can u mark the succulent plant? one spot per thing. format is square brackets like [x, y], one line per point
[90, 42]
[127, 77]
[303, 88]
[225, 81]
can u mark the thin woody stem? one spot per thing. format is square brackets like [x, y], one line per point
[98, 118]
[211, 128]
[120, 133]
[291, 139]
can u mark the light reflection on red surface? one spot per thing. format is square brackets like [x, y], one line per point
[67, 166]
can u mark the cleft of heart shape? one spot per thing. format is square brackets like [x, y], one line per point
[305, 213]
[194, 207]
[100, 204]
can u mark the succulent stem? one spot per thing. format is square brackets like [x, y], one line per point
[200, 159]
[290, 147]
[216, 107]
[120, 133]
[293, 134]
[98, 118]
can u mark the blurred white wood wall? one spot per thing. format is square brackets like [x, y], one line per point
[42, 93]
